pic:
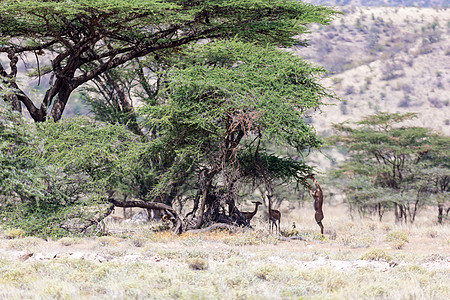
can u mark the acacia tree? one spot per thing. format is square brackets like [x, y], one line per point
[85, 38]
[392, 166]
[218, 113]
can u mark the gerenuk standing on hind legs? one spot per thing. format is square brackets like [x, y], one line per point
[318, 201]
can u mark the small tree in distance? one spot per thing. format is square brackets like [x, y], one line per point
[390, 166]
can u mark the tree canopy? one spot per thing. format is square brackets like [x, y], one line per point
[55, 176]
[86, 38]
[220, 110]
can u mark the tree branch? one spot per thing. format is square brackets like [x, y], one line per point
[173, 216]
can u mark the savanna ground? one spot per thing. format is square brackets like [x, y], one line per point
[357, 258]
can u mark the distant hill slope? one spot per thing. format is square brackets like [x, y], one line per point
[416, 3]
[385, 59]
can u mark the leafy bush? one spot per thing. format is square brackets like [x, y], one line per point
[55, 176]
[14, 233]
[68, 241]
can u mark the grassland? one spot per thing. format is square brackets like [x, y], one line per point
[356, 259]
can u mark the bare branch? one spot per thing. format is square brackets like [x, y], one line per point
[176, 221]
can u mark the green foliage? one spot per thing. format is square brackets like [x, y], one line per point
[54, 176]
[22, 178]
[215, 102]
[397, 239]
[271, 87]
[227, 100]
[284, 169]
[13, 233]
[198, 264]
[19, 175]
[102, 151]
[280, 20]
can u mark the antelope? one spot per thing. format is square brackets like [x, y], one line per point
[250, 214]
[274, 216]
[318, 201]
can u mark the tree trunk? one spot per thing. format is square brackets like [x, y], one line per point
[397, 213]
[380, 211]
[15, 103]
[127, 108]
[196, 203]
[205, 191]
[412, 216]
[440, 213]
[404, 215]
[61, 100]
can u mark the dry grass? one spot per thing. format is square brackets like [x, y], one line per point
[357, 259]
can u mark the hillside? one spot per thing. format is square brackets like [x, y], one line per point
[392, 3]
[385, 59]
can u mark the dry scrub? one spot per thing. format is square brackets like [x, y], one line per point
[356, 259]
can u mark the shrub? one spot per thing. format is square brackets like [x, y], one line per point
[54, 176]
[25, 243]
[397, 239]
[405, 102]
[376, 254]
[14, 233]
[105, 241]
[349, 90]
[198, 264]
[138, 242]
[290, 232]
[355, 241]
[432, 233]
[436, 102]
[267, 272]
[68, 241]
